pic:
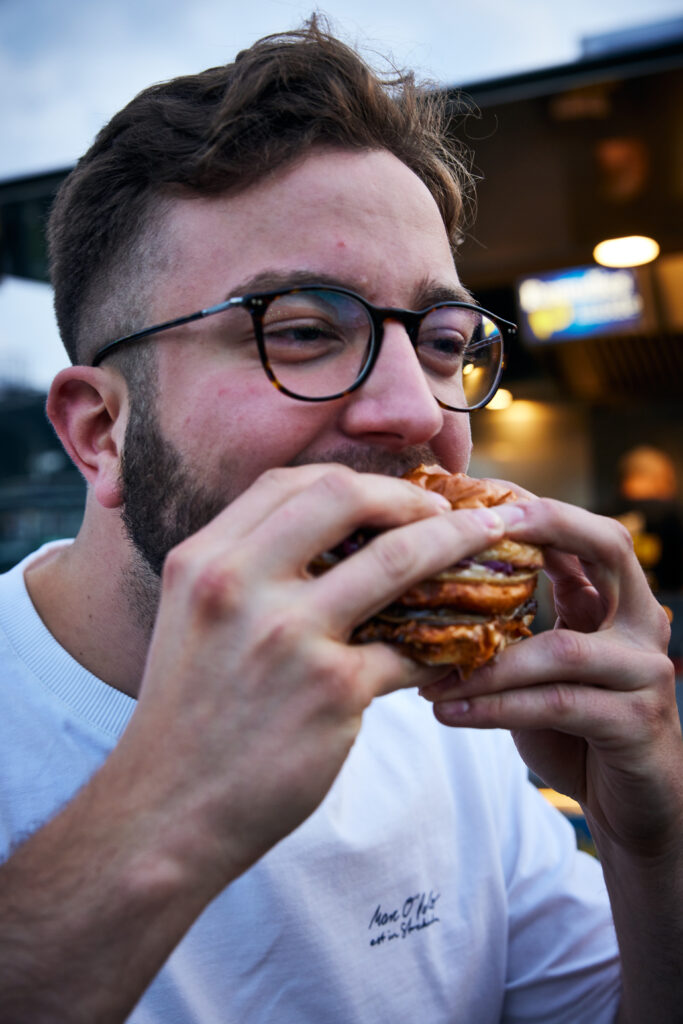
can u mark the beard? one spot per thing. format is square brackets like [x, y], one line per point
[164, 502]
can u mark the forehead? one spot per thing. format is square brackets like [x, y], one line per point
[363, 218]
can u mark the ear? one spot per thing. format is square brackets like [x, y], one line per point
[88, 407]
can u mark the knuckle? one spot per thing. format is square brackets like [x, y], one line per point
[395, 556]
[217, 591]
[664, 671]
[561, 699]
[340, 482]
[651, 710]
[569, 648]
[662, 630]
[337, 676]
[282, 632]
[550, 513]
[622, 540]
[551, 508]
[352, 493]
[274, 477]
[360, 494]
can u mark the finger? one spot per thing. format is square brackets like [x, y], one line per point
[275, 488]
[267, 493]
[566, 571]
[600, 716]
[520, 491]
[614, 719]
[337, 502]
[578, 603]
[385, 568]
[584, 658]
[387, 670]
[602, 546]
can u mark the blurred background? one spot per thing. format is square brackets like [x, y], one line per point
[575, 118]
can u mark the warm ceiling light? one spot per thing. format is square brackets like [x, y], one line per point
[501, 400]
[631, 251]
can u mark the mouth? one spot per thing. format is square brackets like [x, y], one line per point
[371, 459]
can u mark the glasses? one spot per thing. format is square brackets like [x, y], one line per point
[317, 343]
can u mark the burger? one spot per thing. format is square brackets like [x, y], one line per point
[465, 614]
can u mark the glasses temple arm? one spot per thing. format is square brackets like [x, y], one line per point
[146, 332]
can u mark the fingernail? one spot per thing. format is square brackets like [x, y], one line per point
[454, 707]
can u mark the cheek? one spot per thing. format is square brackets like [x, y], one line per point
[244, 429]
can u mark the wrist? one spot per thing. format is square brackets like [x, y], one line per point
[171, 830]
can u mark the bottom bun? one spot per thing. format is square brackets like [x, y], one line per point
[466, 646]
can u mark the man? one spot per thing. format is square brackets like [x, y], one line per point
[195, 825]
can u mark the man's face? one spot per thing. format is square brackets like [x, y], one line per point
[363, 220]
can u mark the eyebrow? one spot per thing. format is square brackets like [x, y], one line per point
[427, 292]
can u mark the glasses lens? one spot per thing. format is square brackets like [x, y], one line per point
[461, 352]
[317, 342]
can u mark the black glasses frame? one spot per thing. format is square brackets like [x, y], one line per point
[257, 304]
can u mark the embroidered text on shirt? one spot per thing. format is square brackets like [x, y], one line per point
[416, 914]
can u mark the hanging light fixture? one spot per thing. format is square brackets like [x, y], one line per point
[630, 251]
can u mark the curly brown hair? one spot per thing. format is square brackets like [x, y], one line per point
[219, 132]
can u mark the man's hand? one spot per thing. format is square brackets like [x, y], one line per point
[591, 705]
[252, 695]
[250, 702]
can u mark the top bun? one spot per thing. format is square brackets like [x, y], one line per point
[461, 490]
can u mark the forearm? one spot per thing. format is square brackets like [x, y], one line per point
[646, 894]
[90, 908]
[218, 764]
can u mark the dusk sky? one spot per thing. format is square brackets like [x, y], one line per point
[67, 65]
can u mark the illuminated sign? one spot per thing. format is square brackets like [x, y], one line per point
[570, 304]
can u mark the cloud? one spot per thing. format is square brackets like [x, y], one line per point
[66, 68]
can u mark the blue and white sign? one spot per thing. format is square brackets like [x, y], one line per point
[567, 305]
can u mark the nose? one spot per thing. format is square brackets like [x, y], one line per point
[394, 407]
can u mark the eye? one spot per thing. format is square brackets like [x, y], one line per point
[441, 355]
[306, 336]
[444, 336]
[314, 324]
[449, 346]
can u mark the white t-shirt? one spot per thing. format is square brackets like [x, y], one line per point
[433, 884]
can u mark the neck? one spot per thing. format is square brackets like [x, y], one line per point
[98, 601]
